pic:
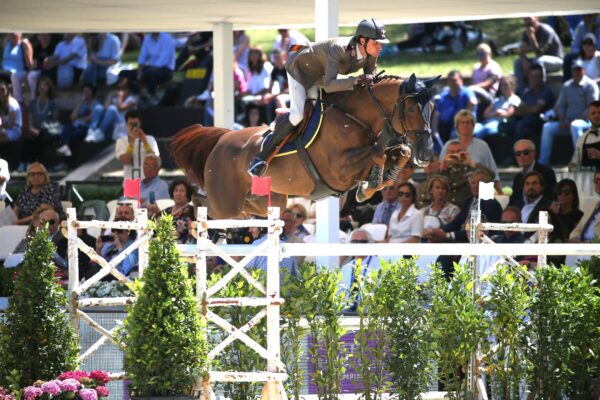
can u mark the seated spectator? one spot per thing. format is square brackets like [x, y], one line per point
[156, 61]
[10, 113]
[32, 226]
[81, 118]
[457, 167]
[4, 178]
[456, 231]
[589, 57]
[440, 207]
[43, 48]
[299, 213]
[38, 190]
[287, 38]
[123, 212]
[197, 52]
[536, 99]
[388, 205]
[589, 24]
[564, 211]
[106, 51]
[587, 148]
[122, 239]
[510, 215]
[17, 59]
[68, 62]
[406, 223]
[464, 121]
[108, 122]
[152, 187]
[132, 149]
[431, 170]
[182, 211]
[499, 114]
[278, 83]
[287, 265]
[571, 110]
[241, 47]
[254, 116]
[525, 154]
[368, 264]
[588, 227]
[453, 99]
[258, 78]
[533, 200]
[543, 41]
[43, 123]
[486, 74]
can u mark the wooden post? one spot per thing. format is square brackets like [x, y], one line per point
[142, 218]
[201, 274]
[542, 237]
[73, 256]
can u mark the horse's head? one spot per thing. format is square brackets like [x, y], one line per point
[412, 117]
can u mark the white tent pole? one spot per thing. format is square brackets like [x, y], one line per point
[223, 71]
[328, 209]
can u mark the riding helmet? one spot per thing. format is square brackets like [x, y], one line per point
[371, 29]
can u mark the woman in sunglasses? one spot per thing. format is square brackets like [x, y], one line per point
[406, 223]
[38, 190]
[564, 211]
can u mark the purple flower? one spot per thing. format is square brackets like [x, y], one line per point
[70, 385]
[31, 392]
[52, 387]
[102, 391]
[88, 394]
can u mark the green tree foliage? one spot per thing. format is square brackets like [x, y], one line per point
[37, 338]
[165, 346]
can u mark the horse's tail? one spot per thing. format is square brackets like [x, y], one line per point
[191, 146]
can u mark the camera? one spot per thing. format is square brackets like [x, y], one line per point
[239, 236]
[135, 125]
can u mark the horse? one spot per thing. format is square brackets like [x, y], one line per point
[349, 145]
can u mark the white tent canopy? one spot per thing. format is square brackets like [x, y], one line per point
[193, 15]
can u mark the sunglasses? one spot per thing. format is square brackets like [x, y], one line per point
[404, 194]
[36, 173]
[522, 152]
[119, 230]
[359, 241]
[296, 215]
[389, 188]
[564, 192]
[596, 180]
[49, 221]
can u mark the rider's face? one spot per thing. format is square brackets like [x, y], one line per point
[373, 48]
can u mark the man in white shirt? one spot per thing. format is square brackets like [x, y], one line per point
[69, 60]
[588, 227]
[132, 149]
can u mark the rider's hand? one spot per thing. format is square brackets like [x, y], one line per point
[365, 80]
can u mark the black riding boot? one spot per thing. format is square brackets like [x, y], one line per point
[258, 165]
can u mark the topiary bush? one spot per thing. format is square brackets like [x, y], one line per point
[165, 349]
[37, 338]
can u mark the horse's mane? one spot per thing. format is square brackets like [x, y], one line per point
[381, 78]
[191, 147]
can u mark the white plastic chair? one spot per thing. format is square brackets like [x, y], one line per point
[163, 204]
[66, 204]
[11, 236]
[377, 231]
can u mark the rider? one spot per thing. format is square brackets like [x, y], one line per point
[318, 65]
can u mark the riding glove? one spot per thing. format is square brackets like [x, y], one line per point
[365, 80]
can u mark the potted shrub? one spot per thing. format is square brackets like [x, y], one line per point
[36, 338]
[165, 349]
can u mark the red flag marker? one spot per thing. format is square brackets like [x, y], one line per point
[261, 186]
[131, 188]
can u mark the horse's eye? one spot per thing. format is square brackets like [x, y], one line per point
[411, 109]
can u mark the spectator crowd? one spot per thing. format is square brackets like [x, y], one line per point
[498, 118]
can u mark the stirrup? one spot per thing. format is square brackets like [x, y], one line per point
[258, 168]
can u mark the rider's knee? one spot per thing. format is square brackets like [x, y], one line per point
[295, 119]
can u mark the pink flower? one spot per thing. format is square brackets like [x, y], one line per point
[32, 392]
[70, 385]
[99, 376]
[52, 387]
[102, 391]
[88, 394]
[73, 375]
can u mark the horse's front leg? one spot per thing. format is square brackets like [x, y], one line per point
[366, 190]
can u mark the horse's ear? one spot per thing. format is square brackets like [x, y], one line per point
[408, 86]
[429, 82]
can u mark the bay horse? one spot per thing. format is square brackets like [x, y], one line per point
[349, 144]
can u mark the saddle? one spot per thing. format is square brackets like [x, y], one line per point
[301, 136]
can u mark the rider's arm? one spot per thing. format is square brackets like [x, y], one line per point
[331, 83]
